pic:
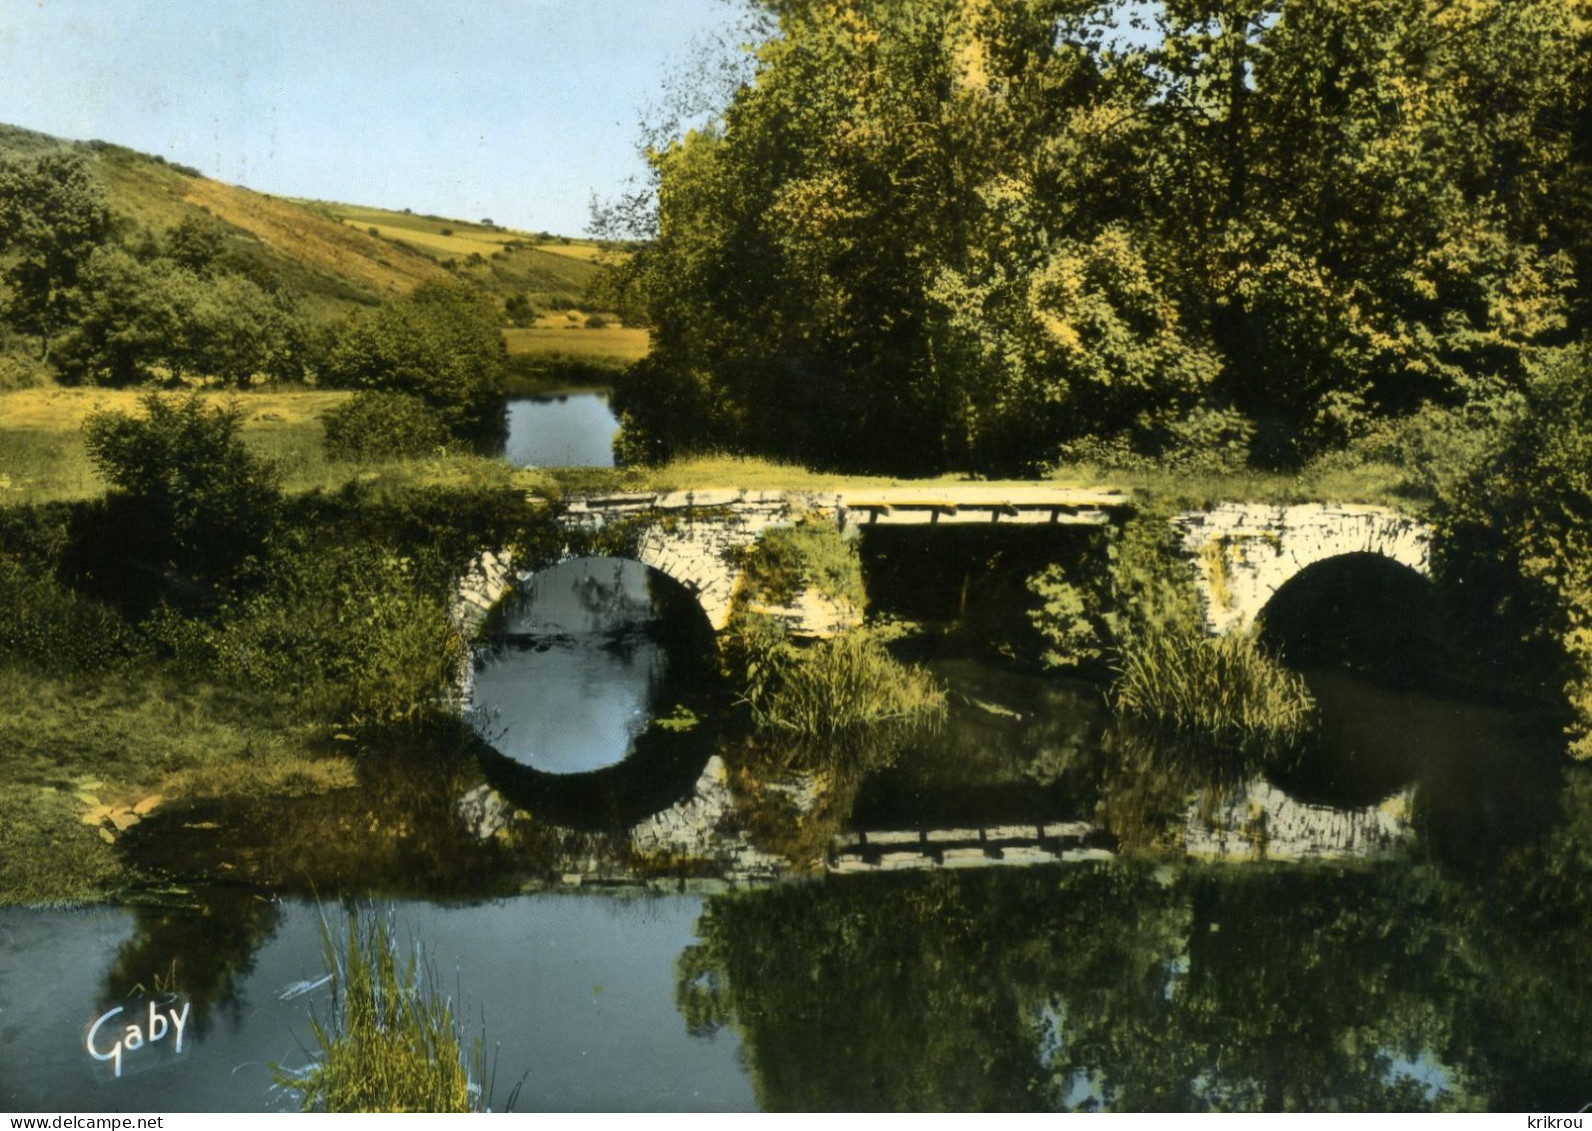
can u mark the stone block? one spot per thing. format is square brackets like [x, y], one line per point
[943, 836]
[1011, 832]
[850, 863]
[1067, 830]
[903, 837]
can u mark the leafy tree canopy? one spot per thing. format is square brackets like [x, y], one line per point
[977, 234]
[53, 214]
[441, 343]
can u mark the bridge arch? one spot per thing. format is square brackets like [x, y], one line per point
[1243, 554]
[1363, 612]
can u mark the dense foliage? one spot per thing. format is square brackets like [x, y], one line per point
[1519, 529]
[440, 344]
[987, 235]
[373, 424]
[1127, 988]
[53, 215]
[193, 491]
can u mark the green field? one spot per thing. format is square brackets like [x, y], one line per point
[567, 334]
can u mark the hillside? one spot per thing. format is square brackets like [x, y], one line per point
[334, 256]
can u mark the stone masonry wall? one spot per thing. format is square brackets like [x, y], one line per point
[1243, 553]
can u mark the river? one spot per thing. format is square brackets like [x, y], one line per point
[1032, 908]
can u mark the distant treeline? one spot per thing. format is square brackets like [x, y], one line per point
[993, 235]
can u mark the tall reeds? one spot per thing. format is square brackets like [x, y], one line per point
[1221, 688]
[391, 1043]
[845, 683]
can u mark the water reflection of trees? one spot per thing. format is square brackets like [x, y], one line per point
[1210, 988]
[200, 951]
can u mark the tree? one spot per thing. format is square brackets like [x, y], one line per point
[195, 244]
[143, 321]
[1356, 195]
[1519, 530]
[974, 234]
[208, 501]
[441, 343]
[53, 215]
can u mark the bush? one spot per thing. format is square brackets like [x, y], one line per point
[441, 343]
[1222, 688]
[1518, 531]
[379, 425]
[809, 554]
[53, 629]
[392, 1044]
[20, 372]
[349, 633]
[210, 502]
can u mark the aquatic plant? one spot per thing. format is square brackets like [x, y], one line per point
[391, 1042]
[844, 683]
[1224, 688]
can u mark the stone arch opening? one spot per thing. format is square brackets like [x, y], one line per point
[1363, 612]
[972, 578]
[588, 672]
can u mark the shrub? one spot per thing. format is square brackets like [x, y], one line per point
[1138, 611]
[53, 629]
[392, 1043]
[809, 554]
[1518, 532]
[441, 343]
[844, 684]
[210, 502]
[348, 632]
[380, 425]
[20, 372]
[1222, 688]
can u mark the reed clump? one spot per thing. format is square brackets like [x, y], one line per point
[849, 682]
[1222, 688]
[391, 1043]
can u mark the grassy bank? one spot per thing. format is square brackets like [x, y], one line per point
[42, 459]
[87, 758]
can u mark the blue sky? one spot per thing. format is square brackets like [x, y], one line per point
[516, 110]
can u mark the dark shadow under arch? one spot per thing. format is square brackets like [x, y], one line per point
[1365, 613]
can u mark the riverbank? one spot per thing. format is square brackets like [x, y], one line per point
[42, 460]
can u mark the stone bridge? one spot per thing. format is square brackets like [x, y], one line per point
[696, 537]
[1240, 553]
[1243, 553]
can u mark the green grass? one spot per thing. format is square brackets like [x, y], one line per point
[48, 856]
[73, 746]
[42, 460]
[391, 1043]
[619, 345]
[1223, 688]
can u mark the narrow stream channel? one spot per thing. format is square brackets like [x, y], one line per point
[560, 430]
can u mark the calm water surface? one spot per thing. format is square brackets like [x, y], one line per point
[1447, 974]
[576, 670]
[567, 430]
[574, 992]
